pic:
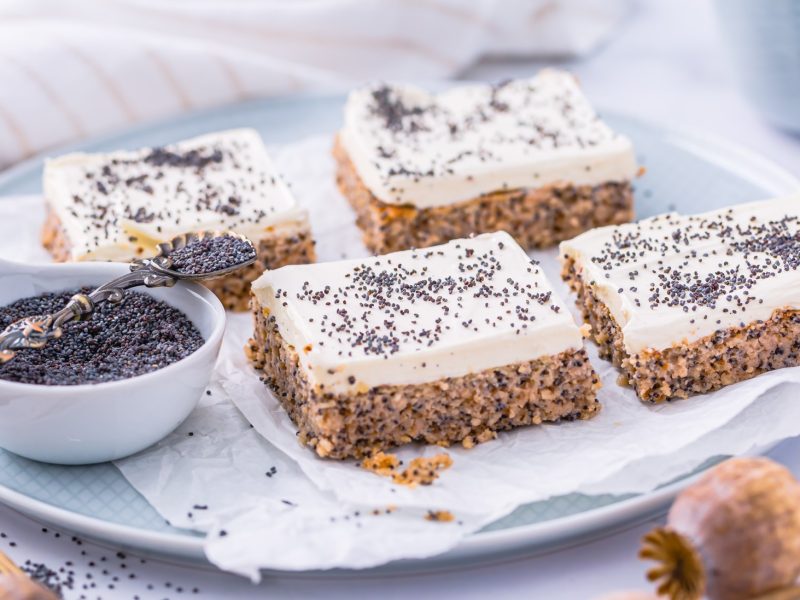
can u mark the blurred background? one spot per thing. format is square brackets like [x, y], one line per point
[72, 70]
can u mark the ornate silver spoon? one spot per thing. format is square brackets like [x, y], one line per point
[159, 271]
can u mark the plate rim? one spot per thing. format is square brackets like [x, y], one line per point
[550, 533]
[190, 546]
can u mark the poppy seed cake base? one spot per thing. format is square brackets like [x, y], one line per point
[535, 217]
[708, 364]
[467, 409]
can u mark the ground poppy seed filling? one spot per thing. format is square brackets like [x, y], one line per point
[210, 255]
[135, 337]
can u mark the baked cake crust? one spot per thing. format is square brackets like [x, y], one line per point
[54, 238]
[467, 409]
[535, 217]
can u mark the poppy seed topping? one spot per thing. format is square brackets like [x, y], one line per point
[413, 147]
[115, 206]
[673, 279]
[418, 315]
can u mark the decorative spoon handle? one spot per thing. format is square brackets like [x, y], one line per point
[35, 331]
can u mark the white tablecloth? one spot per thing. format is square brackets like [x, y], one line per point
[666, 65]
[72, 70]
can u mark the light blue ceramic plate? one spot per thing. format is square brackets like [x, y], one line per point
[685, 172]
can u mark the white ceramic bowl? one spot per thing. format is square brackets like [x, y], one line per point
[93, 423]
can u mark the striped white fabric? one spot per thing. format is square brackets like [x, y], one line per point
[76, 68]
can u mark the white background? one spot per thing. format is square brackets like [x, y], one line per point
[667, 64]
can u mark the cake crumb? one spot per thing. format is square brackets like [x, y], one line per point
[381, 463]
[443, 516]
[421, 471]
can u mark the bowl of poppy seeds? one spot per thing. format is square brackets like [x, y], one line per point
[113, 384]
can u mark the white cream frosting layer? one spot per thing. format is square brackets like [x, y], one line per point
[119, 205]
[418, 315]
[412, 147]
[674, 279]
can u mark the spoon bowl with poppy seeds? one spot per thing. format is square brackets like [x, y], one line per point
[205, 255]
[121, 376]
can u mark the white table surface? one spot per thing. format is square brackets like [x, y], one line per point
[667, 64]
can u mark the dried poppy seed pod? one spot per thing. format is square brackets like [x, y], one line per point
[733, 535]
